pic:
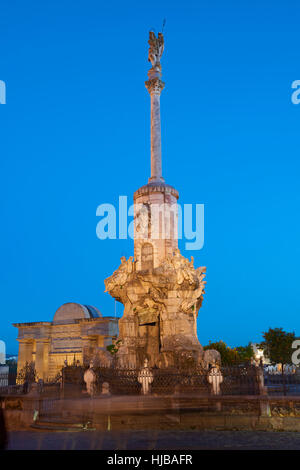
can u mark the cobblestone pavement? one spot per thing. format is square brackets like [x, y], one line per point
[154, 440]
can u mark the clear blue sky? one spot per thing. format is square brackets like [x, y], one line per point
[75, 134]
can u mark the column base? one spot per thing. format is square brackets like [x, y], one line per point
[156, 179]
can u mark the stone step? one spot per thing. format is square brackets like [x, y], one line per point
[63, 425]
[61, 420]
[52, 427]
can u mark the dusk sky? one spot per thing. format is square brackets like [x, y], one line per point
[75, 133]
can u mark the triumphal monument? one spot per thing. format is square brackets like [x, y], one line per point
[160, 289]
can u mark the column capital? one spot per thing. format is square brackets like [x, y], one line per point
[155, 86]
[42, 340]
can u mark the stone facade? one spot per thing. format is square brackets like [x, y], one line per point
[77, 332]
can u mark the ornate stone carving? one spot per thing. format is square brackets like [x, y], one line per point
[119, 277]
[211, 357]
[156, 48]
[155, 85]
[160, 310]
[145, 378]
[142, 220]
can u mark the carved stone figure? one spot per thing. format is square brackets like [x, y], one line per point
[90, 380]
[212, 356]
[119, 277]
[105, 388]
[156, 48]
[160, 311]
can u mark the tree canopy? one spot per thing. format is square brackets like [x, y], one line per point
[232, 356]
[277, 345]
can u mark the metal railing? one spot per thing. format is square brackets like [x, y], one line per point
[234, 381]
[8, 384]
[282, 384]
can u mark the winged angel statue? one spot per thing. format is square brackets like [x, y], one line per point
[156, 48]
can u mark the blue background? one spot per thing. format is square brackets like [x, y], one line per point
[75, 134]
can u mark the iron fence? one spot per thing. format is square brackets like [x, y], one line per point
[8, 379]
[234, 381]
[49, 406]
[282, 384]
[8, 384]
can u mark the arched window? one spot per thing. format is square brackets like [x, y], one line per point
[147, 256]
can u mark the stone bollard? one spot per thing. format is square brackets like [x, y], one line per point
[90, 380]
[145, 378]
[105, 389]
[265, 409]
[261, 381]
[215, 378]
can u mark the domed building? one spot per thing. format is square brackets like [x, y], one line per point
[78, 332]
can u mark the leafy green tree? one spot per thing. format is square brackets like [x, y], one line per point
[114, 348]
[228, 355]
[231, 356]
[277, 345]
[27, 373]
[245, 353]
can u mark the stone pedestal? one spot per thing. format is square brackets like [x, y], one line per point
[156, 224]
[160, 311]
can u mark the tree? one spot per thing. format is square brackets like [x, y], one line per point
[114, 348]
[228, 355]
[231, 356]
[277, 345]
[245, 353]
[27, 373]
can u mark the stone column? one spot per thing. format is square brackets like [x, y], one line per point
[41, 359]
[25, 352]
[154, 86]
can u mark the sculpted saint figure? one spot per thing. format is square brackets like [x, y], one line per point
[156, 49]
[119, 277]
[184, 268]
